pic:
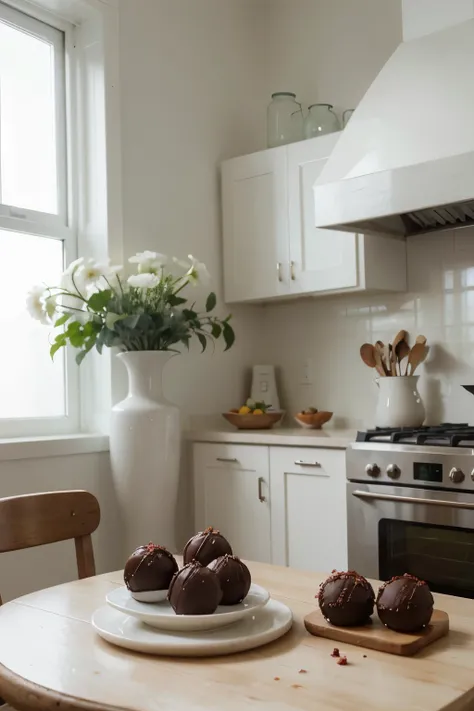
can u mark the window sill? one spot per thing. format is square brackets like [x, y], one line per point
[56, 446]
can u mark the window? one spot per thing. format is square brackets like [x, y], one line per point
[37, 237]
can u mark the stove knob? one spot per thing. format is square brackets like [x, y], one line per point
[456, 475]
[372, 470]
[393, 471]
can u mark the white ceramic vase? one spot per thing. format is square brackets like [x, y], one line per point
[145, 441]
[399, 403]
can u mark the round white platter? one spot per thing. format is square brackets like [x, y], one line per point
[266, 625]
[162, 616]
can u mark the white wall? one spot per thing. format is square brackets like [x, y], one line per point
[29, 570]
[191, 76]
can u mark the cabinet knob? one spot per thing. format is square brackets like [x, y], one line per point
[261, 497]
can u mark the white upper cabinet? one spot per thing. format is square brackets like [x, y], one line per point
[320, 260]
[255, 218]
[271, 246]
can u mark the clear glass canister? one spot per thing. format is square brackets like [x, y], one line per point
[320, 120]
[284, 119]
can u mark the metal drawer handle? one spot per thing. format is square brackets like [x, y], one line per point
[302, 463]
[279, 274]
[226, 459]
[413, 500]
[261, 496]
[292, 271]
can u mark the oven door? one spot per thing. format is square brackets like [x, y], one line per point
[394, 530]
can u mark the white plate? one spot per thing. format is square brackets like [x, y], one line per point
[162, 615]
[266, 625]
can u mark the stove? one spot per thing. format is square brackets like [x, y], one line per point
[410, 505]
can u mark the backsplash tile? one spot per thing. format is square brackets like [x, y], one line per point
[329, 331]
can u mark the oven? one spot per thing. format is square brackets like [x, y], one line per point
[415, 515]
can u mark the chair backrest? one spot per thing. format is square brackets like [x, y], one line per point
[38, 519]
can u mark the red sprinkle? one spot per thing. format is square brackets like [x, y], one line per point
[335, 652]
[342, 661]
[302, 671]
[276, 678]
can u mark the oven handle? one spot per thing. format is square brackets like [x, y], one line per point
[413, 500]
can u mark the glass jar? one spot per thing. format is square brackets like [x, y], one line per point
[346, 117]
[320, 120]
[284, 119]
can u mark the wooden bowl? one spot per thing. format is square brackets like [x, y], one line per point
[253, 422]
[314, 421]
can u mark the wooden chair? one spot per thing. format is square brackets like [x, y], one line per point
[39, 519]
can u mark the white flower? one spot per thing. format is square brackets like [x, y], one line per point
[182, 263]
[35, 304]
[197, 272]
[74, 265]
[144, 281]
[149, 262]
[50, 306]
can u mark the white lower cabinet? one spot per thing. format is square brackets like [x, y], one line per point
[308, 508]
[281, 505]
[232, 494]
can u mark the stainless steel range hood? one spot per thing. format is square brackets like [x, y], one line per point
[405, 163]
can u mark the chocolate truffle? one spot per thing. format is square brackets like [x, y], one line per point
[234, 577]
[195, 590]
[405, 604]
[148, 573]
[346, 599]
[206, 547]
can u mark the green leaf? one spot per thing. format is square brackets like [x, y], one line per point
[211, 302]
[174, 300]
[61, 321]
[99, 300]
[216, 330]
[55, 348]
[131, 321]
[229, 335]
[111, 319]
[202, 341]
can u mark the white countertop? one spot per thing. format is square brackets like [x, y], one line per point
[211, 430]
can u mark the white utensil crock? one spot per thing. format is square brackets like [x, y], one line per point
[399, 403]
[145, 453]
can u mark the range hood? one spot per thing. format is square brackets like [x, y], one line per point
[405, 163]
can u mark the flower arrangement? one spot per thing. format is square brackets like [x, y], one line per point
[94, 307]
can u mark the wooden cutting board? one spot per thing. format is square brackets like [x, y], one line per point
[376, 636]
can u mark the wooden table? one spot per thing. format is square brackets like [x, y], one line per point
[52, 659]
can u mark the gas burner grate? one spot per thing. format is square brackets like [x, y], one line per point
[444, 435]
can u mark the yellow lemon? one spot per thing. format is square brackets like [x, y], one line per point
[258, 412]
[244, 410]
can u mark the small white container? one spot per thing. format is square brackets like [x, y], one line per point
[399, 403]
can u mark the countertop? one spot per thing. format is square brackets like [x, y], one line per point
[51, 658]
[212, 430]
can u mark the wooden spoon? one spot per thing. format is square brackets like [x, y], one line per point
[421, 340]
[417, 355]
[368, 355]
[401, 335]
[380, 348]
[402, 351]
[379, 365]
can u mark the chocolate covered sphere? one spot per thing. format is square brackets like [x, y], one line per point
[195, 590]
[149, 571]
[234, 578]
[346, 599]
[206, 547]
[405, 604]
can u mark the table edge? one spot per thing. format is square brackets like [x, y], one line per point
[26, 695]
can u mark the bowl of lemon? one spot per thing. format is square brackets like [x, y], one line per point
[253, 416]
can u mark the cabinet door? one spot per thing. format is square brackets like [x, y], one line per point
[322, 260]
[308, 508]
[255, 222]
[232, 493]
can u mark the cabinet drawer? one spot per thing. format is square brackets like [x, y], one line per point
[309, 461]
[233, 456]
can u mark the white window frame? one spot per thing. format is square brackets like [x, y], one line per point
[92, 103]
[61, 226]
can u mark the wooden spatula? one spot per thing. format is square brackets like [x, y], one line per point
[417, 355]
[401, 335]
[367, 353]
[402, 351]
[421, 339]
[381, 349]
